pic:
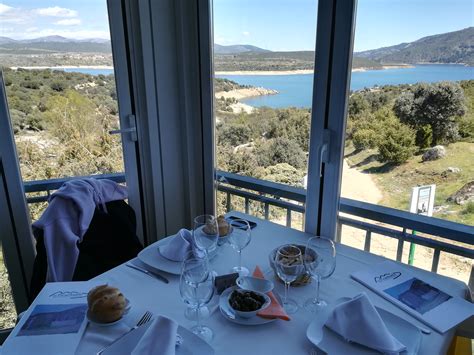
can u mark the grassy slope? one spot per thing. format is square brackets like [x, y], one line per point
[396, 183]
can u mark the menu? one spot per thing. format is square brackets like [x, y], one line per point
[54, 323]
[429, 304]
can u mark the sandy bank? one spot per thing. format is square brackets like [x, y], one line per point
[239, 94]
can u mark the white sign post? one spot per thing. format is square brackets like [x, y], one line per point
[422, 202]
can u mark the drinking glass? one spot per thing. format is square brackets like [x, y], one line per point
[320, 262]
[195, 268]
[239, 238]
[289, 265]
[197, 295]
[206, 233]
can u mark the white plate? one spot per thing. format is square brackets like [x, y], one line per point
[224, 307]
[152, 257]
[331, 343]
[192, 344]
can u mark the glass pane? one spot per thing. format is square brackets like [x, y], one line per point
[61, 90]
[264, 58]
[7, 307]
[411, 117]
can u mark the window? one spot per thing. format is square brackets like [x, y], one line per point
[411, 119]
[263, 62]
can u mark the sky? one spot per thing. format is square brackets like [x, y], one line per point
[272, 24]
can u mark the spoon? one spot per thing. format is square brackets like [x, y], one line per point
[254, 284]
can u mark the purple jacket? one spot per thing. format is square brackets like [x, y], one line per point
[67, 219]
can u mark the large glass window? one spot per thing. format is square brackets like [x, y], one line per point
[411, 119]
[263, 61]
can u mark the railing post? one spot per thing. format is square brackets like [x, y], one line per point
[434, 265]
[400, 250]
[228, 201]
[246, 205]
[288, 217]
[368, 237]
[267, 210]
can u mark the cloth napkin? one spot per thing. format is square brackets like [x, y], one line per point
[159, 338]
[274, 310]
[358, 321]
[179, 246]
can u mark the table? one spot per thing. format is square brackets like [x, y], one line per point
[278, 337]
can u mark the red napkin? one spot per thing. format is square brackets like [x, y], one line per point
[274, 310]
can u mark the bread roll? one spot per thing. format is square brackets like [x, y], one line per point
[106, 304]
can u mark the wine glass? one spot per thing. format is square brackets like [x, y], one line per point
[196, 295]
[289, 265]
[320, 262]
[195, 269]
[206, 233]
[239, 238]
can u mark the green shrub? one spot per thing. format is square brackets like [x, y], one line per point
[469, 209]
[397, 144]
[424, 137]
[58, 86]
[365, 138]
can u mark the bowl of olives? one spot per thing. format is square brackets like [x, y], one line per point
[246, 303]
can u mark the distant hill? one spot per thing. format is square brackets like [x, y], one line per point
[237, 48]
[53, 44]
[451, 47]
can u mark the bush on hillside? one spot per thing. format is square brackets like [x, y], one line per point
[280, 150]
[397, 144]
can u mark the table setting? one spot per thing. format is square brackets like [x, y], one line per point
[244, 285]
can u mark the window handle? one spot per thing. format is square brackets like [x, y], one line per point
[132, 129]
[324, 151]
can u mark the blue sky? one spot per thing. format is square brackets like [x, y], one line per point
[271, 24]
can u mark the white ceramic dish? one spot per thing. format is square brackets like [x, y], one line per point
[192, 344]
[226, 309]
[152, 257]
[254, 284]
[331, 343]
[249, 314]
[127, 309]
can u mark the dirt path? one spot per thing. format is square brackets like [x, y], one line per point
[359, 186]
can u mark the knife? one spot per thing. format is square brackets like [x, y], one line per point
[149, 273]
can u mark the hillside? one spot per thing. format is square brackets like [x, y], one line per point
[54, 44]
[237, 48]
[451, 47]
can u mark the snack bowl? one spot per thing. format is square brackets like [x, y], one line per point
[303, 279]
[242, 297]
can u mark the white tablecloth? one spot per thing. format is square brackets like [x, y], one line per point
[274, 338]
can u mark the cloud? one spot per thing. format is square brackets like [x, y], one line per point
[5, 8]
[56, 11]
[68, 22]
[245, 33]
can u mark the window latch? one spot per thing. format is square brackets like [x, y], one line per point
[324, 150]
[132, 128]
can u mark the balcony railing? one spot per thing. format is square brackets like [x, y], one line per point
[449, 237]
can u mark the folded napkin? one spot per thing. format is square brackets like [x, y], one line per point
[274, 310]
[159, 338]
[179, 245]
[358, 321]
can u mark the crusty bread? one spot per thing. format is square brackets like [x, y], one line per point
[223, 226]
[106, 304]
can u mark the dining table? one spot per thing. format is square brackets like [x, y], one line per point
[146, 293]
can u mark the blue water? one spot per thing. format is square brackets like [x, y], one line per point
[296, 90]
[89, 71]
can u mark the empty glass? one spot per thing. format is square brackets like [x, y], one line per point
[289, 265]
[239, 238]
[320, 262]
[206, 233]
[197, 295]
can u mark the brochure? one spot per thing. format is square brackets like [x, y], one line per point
[54, 323]
[432, 306]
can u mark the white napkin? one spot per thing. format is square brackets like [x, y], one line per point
[159, 338]
[179, 246]
[358, 321]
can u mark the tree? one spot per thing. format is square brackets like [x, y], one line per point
[280, 150]
[397, 144]
[357, 105]
[437, 105]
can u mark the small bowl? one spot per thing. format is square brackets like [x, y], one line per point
[249, 314]
[256, 284]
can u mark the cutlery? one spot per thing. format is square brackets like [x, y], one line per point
[143, 320]
[149, 273]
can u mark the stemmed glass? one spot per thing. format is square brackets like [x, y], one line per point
[206, 234]
[239, 238]
[196, 287]
[320, 262]
[289, 265]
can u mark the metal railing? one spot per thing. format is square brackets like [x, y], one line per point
[292, 200]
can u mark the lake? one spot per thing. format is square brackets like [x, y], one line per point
[296, 90]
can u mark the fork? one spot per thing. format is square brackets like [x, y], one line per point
[143, 320]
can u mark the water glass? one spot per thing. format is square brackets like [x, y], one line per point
[206, 233]
[239, 238]
[289, 265]
[196, 295]
[320, 263]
